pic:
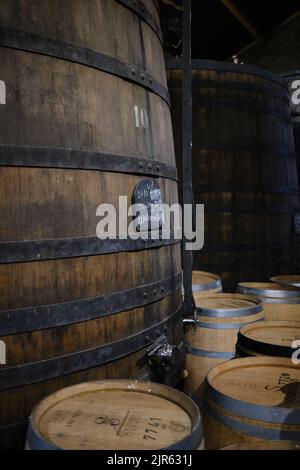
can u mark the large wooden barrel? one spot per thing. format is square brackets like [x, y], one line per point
[211, 339]
[244, 168]
[268, 338]
[86, 119]
[255, 399]
[287, 280]
[206, 283]
[115, 415]
[280, 302]
[293, 81]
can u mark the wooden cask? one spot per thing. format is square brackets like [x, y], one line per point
[244, 168]
[212, 337]
[287, 280]
[268, 338]
[252, 399]
[206, 283]
[280, 302]
[86, 119]
[115, 415]
[267, 445]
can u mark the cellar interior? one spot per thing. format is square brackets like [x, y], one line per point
[150, 226]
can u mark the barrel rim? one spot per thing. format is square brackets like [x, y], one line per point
[254, 345]
[215, 284]
[226, 355]
[245, 288]
[243, 408]
[198, 64]
[163, 391]
[233, 312]
[281, 280]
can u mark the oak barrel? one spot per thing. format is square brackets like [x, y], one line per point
[86, 119]
[206, 283]
[287, 279]
[244, 168]
[269, 338]
[280, 302]
[211, 339]
[115, 415]
[254, 399]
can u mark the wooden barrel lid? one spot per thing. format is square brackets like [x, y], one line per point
[271, 338]
[228, 305]
[203, 281]
[264, 445]
[265, 382]
[115, 415]
[269, 290]
[292, 280]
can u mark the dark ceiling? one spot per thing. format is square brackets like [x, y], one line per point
[216, 33]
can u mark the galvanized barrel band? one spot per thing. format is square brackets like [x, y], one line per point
[139, 8]
[209, 354]
[35, 441]
[64, 158]
[67, 313]
[40, 371]
[262, 348]
[285, 300]
[217, 284]
[35, 43]
[252, 429]
[39, 250]
[230, 312]
[222, 326]
[192, 441]
[271, 294]
[271, 414]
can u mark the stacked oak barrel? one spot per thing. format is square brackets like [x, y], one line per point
[239, 346]
[243, 364]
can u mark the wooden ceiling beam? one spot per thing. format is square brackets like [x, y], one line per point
[243, 19]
